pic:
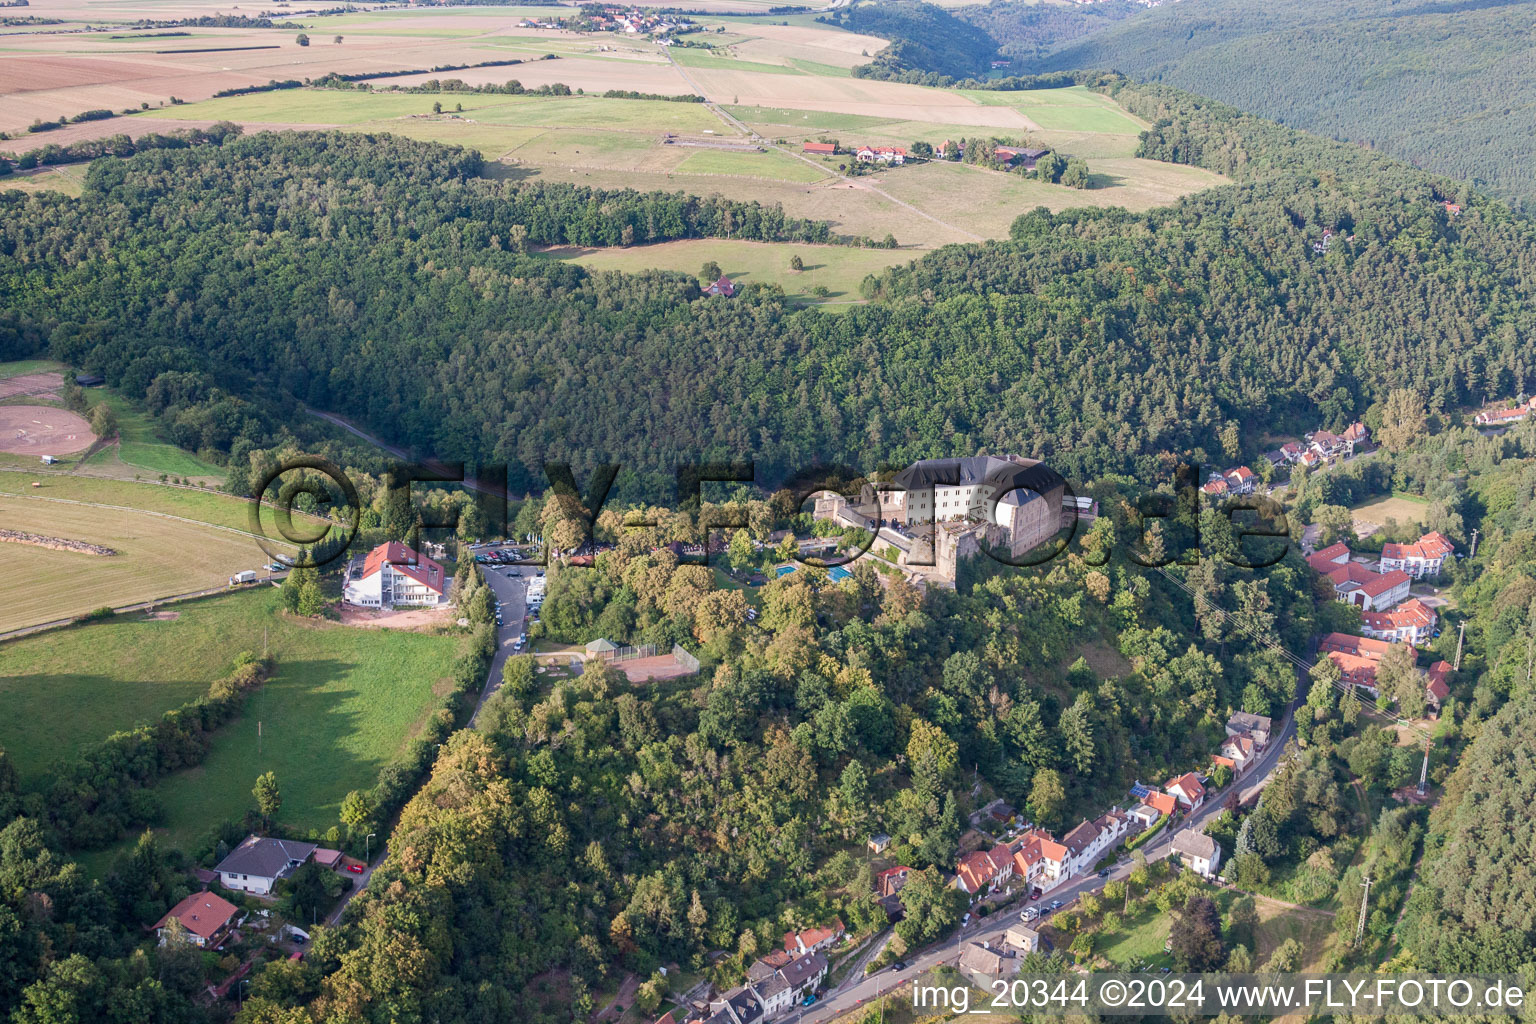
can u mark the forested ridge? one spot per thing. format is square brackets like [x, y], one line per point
[1437, 83]
[380, 279]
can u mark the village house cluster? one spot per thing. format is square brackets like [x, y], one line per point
[1322, 447]
[633, 21]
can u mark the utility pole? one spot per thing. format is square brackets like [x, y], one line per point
[1424, 768]
[1461, 636]
[1364, 902]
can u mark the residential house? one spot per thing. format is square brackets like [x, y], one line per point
[394, 576]
[1356, 434]
[723, 288]
[1436, 686]
[881, 155]
[1023, 938]
[879, 843]
[1356, 657]
[984, 961]
[1241, 480]
[1411, 622]
[1419, 560]
[1039, 860]
[1198, 851]
[813, 939]
[1292, 450]
[820, 148]
[1216, 486]
[1310, 459]
[775, 983]
[1241, 751]
[1276, 458]
[1501, 417]
[980, 870]
[206, 920]
[1188, 790]
[1081, 842]
[257, 863]
[1155, 805]
[890, 881]
[1327, 559]
[1255, 727]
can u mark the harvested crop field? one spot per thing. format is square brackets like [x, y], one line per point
[43, 430]
[45, 385]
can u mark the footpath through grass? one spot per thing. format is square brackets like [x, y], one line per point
[341, 704]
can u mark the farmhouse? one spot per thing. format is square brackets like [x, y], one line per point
[820, 148]
[723, 288]
[1419, 560]
[394, 576]
[1410, 622]
[1198, 851]
[881, 155]
[256, 864]
[206, 920]
[1019, 157]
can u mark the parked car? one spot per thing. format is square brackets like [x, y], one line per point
[517, 644]
[808, 1000]
[899, 965]
[1029, 913]
[1055, 904]
[1104, 873]
[356, 869]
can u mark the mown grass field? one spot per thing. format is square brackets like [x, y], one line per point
[341, 704]
[1401, 508]
[839, 269]
[1076, 108]
[157, 557]
[769, 164]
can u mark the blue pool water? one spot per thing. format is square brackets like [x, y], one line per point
[837, 572]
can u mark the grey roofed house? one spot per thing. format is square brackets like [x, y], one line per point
[1256, 727]
[808, 966]
[265, 857]
[1190, 843]
[1080, 838]
[1006, 474]
[979, 959]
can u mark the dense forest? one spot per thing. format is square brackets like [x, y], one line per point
[1433, 82]
[223, 283]
[923, 38]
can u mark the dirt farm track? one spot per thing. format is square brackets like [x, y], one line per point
[42, 430]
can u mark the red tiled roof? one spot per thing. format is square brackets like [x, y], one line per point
[1242, 473]
[1189, 782]
[1353, 572]
[418, 567]
[1215, 487]
[1385, 582]
[1412, 613]
[976, 871]
[1356, 646]
[819, 147]
[202, 914]
[1163, 803]
[1326, 559]
[1437, 686]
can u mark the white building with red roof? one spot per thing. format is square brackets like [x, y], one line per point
[1356, 657]
[1188, 790]
[1418, 560]
[394, 576]
[1040, 860]
[1411, 622]
[1241, 480]
[1329, 558]
[1367, 589]
[812, 939]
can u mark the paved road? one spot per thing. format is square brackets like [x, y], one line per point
[510, 585]
[992, 927]
[359, 883]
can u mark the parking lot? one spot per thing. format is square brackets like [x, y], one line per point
[510, 585]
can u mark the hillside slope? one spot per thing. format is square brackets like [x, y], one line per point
[1445, 84]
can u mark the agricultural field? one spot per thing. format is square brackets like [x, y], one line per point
[839, 269]
[157, 557]
[341, 704]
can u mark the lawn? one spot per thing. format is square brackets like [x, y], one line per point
[157, 557]
[1401, 507]
[341, 704]
[839, 269]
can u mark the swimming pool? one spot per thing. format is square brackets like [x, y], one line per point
[837, 572]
